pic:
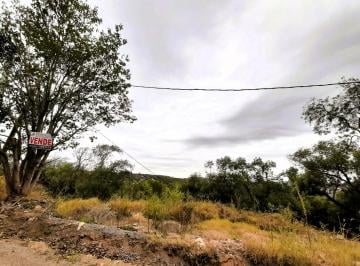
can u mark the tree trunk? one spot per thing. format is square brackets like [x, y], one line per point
[21, 177]
[12, 190]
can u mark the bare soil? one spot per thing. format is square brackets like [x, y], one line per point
[28, 253]
[31, 235]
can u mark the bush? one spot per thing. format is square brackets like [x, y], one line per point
[229, 213]
[60, 179]
[194, 212]
[205, 211]
[101, 183]
[124, 207]
[182, 213]
[156, 210]
[76, 208]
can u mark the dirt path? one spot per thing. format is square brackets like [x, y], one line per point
[30, 253]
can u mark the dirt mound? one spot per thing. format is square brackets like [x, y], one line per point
[32, 220]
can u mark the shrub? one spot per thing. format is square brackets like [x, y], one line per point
[230, 213]
[156, 210]
[204, 211]
[193, 212]
[124, 207]
[76, 208]
[182, 213]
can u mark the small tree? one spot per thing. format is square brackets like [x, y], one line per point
[102, 154]
[65, 77]
[82, 157]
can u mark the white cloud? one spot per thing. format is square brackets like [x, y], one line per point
[228, 44]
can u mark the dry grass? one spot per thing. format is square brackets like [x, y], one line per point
[2, 188]
[269, 239]
[126, 207]
[37, 193]
[286, 247]
[204, 211]
[76, 208]
[272, 222]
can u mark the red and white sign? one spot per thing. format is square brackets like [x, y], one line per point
[40, 140]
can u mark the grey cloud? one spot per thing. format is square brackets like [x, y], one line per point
[268, 117]
[159, 31]
[330, 50]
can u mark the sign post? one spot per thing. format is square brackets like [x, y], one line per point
[41, 141]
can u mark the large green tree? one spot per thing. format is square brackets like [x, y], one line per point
[66, 76]
[339, 114]
[331, 169]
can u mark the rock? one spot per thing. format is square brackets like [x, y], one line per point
[38, 208]
[199, 242]
[80, 225]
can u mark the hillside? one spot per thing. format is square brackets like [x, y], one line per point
[92, 232]
[163, 178]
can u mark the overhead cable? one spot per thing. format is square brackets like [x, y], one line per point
[246, 89]
[126, 153]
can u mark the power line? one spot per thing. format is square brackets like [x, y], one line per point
[128, 154]
[246, 89]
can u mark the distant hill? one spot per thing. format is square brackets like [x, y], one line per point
[162, 178]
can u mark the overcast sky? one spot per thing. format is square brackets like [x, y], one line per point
[228, 44]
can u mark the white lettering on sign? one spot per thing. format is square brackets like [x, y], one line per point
[41, 141]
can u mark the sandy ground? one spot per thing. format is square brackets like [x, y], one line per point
[30, 253]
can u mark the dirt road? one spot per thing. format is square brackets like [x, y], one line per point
[31, 253]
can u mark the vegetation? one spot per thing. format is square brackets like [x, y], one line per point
[284, 246]
[269, 239]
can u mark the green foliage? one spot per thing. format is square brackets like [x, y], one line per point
[246, 185]
[101, 183]
[60, 179]
[156, 210]
[339, 114]
[330, 182]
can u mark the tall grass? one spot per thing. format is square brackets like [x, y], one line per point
[269, 239]
[287, 245]
[75, 208]
[37, 193]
